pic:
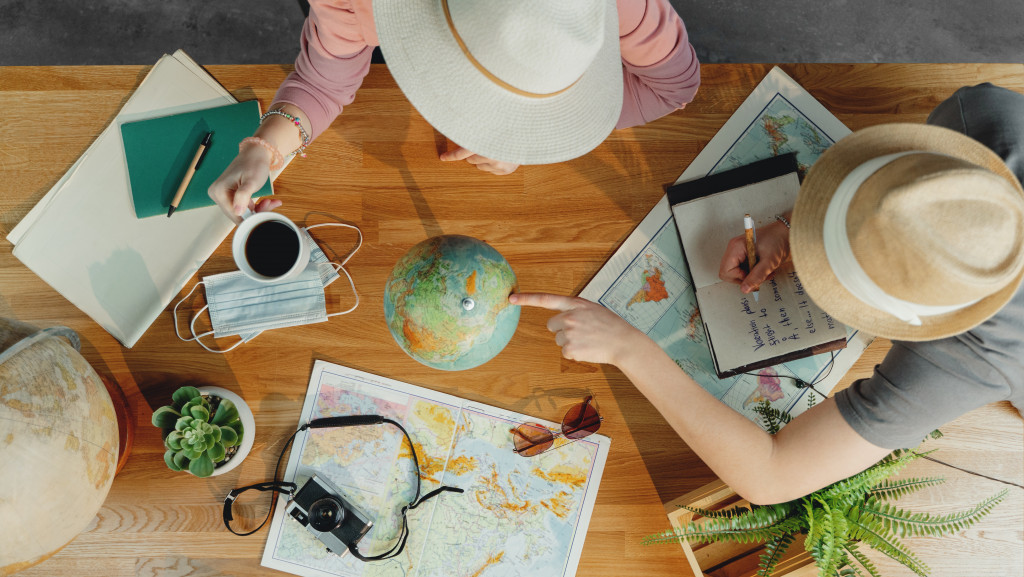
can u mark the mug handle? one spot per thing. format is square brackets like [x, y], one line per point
[248, 211]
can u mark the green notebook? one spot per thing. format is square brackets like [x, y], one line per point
[159, 150]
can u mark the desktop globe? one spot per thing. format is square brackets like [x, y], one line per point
[58, 443]
[446, 302]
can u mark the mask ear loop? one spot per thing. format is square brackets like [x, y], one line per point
[338, 267]
[355, 228]
[177, 332]
[341, 267]
[192, 324]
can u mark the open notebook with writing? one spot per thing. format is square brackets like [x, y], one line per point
[744, 334]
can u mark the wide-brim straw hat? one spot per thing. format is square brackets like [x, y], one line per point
[524, 81]
[941, 226]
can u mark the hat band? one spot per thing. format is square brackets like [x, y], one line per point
[845, 265]
[487, 73]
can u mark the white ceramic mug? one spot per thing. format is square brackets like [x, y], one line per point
[249, 223]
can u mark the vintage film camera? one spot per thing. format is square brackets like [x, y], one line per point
[319, 507]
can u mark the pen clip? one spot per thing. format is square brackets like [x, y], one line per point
[206, 148]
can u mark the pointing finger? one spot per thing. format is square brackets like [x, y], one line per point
[544, 301]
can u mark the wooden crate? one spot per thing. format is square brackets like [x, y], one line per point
[731, 559]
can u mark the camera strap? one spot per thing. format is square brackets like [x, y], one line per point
[275, 486]
[289, 488]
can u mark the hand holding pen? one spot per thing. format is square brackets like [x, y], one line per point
[772, 242]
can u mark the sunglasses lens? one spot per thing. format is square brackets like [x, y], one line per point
[532, 439]
[581, 420]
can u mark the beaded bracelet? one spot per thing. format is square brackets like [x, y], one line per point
[301, 150]
[276, 160]
[782, 219]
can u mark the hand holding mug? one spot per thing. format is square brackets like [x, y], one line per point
[233, 190]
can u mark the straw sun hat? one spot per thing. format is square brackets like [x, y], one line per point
[934, 232]
[523, 81]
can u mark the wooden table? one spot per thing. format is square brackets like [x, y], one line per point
[377, 167]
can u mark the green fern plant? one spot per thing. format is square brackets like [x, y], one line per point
[836, 519]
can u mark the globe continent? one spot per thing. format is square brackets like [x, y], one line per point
[58, 445]
[446, 302]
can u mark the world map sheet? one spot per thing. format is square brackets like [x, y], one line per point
[518, 517]
[647, 281]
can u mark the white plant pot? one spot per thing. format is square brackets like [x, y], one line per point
[248, 424]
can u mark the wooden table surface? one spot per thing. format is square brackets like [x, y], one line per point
[377, 167]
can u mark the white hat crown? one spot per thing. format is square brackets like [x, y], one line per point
[537, 46]
[521, 81]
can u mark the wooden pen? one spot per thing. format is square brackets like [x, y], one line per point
[193, 166]
[748, 228]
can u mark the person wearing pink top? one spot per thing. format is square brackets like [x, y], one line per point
[511, 82]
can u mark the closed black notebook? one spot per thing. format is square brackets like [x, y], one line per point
[784, 324]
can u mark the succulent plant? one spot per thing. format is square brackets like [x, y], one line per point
[196, 439]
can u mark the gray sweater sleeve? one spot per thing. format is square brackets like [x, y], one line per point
[918, 388]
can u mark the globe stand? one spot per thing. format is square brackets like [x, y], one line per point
[125, 422]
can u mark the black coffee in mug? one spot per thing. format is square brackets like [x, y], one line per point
[272, 248]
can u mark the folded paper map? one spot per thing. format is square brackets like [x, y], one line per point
[517, 516]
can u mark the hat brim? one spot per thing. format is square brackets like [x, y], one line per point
[816, 192]
[479, 115]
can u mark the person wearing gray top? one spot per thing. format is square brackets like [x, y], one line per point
[912, 232]
[923, 385]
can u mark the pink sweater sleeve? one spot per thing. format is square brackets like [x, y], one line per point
[660, 71]
[334, 58]
[660, 68]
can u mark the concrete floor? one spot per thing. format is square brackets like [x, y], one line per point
[69, 32]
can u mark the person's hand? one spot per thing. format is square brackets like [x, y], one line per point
[483, 163]
[772, 251]
[233, 190]
[586, 331]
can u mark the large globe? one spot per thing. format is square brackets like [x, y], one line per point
[58, 443]
[446, 302]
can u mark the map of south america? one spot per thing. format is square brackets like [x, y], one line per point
[653, 289]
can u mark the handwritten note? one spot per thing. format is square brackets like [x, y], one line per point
[746, 334]
[783, 320]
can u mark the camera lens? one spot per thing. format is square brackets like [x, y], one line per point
[326, 514]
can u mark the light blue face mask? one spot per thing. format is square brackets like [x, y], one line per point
[243, 307]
